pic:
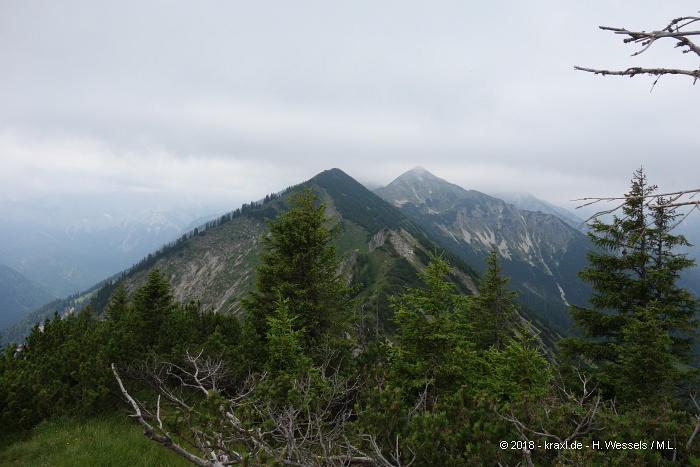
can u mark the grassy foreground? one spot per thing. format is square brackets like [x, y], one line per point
[107, 441]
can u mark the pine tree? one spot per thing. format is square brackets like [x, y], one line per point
[301, 265]
[432, 346]
[640, 318]
[496, 306]
[152, 303]
[118, 307]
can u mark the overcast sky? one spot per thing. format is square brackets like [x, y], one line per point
[232, 100]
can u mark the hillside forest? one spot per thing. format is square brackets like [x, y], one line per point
[305, 377]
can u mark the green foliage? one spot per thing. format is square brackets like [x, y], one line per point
[639, 315]
[518, 371]
[496, 306]
[432, 350]
[647, 348]
[63, 372]
[284, 342]
[461, 429]
[118, 307]
[152, 303]
[301, 264]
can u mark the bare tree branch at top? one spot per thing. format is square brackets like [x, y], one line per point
[676, 30]
[671, 200]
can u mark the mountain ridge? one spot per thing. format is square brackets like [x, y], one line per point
[540, 252]
[214, 265]
[18, 295]
[528, 202]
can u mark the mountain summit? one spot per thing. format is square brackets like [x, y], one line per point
[421, 189]
[540, 252]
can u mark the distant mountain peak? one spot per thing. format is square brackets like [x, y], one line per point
[418, 170]
[539, 251]
[422, 189]
[420, 173]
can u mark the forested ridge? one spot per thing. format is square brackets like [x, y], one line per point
[18, 295]
[309, 377]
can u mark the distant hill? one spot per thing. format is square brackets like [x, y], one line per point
[18, 330]
[18, 296]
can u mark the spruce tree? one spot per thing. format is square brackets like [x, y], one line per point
[283, 346]
[152, 303]
[118, 306]
[496, 306]
[640, 320]
[301, 267]
[432, 348]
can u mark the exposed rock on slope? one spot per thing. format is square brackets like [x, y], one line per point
[540, 252]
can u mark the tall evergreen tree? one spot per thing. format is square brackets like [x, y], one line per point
[301, 267]
[496, 306]
[118, 306]
[640, 318]
[152, 303]
[432, 348]
[677, 306]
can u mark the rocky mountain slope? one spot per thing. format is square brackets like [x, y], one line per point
[540, 252]
[215, 267]
[527, 202]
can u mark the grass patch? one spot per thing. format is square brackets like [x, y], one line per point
[354, 238]
[106, 441]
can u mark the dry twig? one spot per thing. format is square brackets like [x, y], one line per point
[674, 30]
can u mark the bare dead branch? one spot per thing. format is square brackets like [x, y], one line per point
[697, 422]
[309, 430]
[674, 30]
[656, 195]
[654, 200]
[162, 438]
[634, 71]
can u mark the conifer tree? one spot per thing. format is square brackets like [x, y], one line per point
[640, 320]
[301, 265]
[519, 370]
[432, 347]
[284, 349]
[496, 306]
[152, 303]
[118, 306]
